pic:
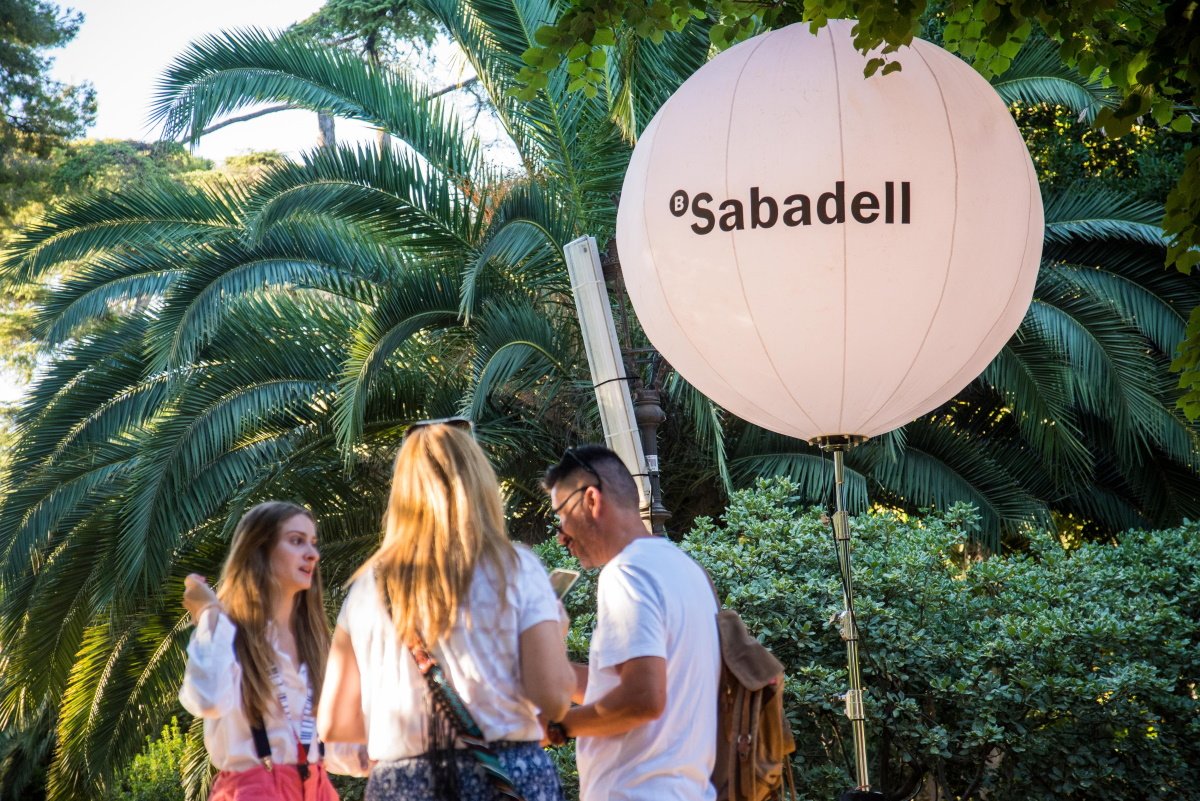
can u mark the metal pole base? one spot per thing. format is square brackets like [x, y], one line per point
[855, 709]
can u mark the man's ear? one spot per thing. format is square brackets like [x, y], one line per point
[593, 501]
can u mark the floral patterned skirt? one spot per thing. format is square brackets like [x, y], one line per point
[412, 779]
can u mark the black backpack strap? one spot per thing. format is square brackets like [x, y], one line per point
[262, 746]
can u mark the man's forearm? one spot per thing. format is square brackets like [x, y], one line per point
[602, 720]
[630, 704]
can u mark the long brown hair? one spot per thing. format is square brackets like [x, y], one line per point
[248, 591]
[444, 514]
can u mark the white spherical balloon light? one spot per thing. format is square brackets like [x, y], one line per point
[824, 254]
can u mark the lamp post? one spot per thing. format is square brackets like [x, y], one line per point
[648, 412]
[647, 395]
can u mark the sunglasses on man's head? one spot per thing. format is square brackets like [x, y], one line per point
[461, 423]
[583, 463]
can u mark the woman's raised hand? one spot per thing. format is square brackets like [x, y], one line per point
[198, 596]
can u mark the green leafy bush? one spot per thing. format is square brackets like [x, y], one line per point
[1051, 674]
[154, 774]
[349, 788]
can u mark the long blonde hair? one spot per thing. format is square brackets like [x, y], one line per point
[248, 591]
[444, 514]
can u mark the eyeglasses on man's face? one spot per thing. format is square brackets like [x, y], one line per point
[461, 423]
[583, 464]
[558, 526]
[558, 509]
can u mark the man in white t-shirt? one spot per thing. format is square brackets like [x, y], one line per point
[647, 720]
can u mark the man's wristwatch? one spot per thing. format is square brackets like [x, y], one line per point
[556, 733]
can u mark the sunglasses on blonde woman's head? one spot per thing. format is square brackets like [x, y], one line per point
[461, 423]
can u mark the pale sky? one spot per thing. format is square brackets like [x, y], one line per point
[124, 46]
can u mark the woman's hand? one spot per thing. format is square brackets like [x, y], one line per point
[198, 596]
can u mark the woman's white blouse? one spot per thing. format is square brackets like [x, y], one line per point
[212, 690]
[480, 656]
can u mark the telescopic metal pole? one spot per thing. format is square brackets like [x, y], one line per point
[841, 533]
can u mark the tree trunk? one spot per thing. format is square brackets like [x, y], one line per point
[326, 136]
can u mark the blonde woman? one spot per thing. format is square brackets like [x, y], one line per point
[447, 591]
[257, 657]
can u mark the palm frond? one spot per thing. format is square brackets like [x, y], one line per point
[39, 657]
[493, 35]
[516, 349]
[1082, 214]
[708, 421]
[82, 376]
[1038, 74]
[519, 247]
[1035, 385]
[217, 279]
[226, 72]
[418, 301]
[151, 216]
[387, 194]
[758, 453]
[121, 283]
[1110, 368]
[642, 75]
[1155, 315]
[940, 467]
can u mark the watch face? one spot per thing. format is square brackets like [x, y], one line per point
[556, 733]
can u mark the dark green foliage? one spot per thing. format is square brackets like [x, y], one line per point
[25, 759]
[377, 27]
[1066, 151]
[37, 113]
[116, 164]
[349, 788]
[1052, 675]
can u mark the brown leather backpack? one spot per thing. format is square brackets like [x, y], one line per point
[754, 739]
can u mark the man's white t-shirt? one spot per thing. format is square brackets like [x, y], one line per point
[480, 656]
[653, 600]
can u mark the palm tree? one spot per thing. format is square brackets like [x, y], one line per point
[220, 344]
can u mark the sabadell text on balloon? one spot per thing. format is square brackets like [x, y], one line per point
[764, 211]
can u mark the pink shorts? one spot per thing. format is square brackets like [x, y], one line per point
[281, 783]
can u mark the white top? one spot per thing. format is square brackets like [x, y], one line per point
[480, 656]
[212, 689]
[653, 600]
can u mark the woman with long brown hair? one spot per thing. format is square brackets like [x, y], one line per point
[450, 642]
[257, 657]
